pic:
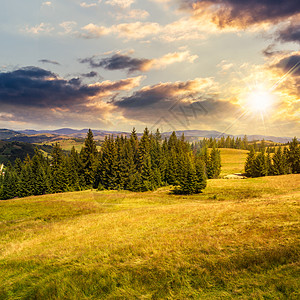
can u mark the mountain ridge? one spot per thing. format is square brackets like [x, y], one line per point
[34, 135]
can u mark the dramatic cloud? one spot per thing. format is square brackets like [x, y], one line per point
[290, 33]
[179, 103]
[242, 13]
[289, 84]
[47, 61]
[119, 62]
[290, 64]
[36, 87]
[33, 95]
[150, 95]
[125, 62]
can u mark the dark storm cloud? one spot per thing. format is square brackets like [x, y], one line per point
[118, 62]
[290, 33]
[290, 63]
[47, 61]
[172, 100]
[36, 87]
[144, 98]
[242, 13]
[32, 86]
[290, 66]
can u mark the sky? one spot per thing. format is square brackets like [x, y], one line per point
[226, 65]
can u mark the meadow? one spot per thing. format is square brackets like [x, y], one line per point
[239, 239]
[232, 160]
[68, 144]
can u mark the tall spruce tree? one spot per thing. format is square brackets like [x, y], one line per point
[58, 172]
[26, 183]
[260, 165]
[39, 176]
[76, 176]
[294, 156]
[10, 183]
[109, 164]
[249, 165]
[144, 162]
[278, 163]
[89, 158]
[214, 163]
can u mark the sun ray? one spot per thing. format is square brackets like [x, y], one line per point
[288, 73]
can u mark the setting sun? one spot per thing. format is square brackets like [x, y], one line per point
[260, 100]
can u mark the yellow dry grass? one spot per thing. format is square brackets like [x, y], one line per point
[239, 239]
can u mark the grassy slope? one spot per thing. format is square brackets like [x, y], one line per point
[239, 239]
[67, 144]
[233, 161]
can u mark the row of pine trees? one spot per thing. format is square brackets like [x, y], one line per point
[133, 164]
[284, 161]
[233, 143]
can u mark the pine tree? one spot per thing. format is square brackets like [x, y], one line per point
[286, 162]
[294, 156]
[25, 183]
[269, 164]
[131, 167]
[39, 177]
[89, 158]
[249, 165]
[278, 163]
[156, 158]
[188, 178]
[200, 175]
[122, 167]
[245, 142]
[10, 183]
[109, 164]
[259, 165]
[144, 162]
[214, 164]
[77, 181]
[58, 178]
[18, 166]
[134, 145]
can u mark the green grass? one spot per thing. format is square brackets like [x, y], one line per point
[237, 240]
[68, 144]
[232, 160]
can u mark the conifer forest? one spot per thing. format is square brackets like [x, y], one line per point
[122, 163]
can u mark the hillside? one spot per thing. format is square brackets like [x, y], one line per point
[7, 134]
[239, 239]
[9, 151]
[191, 135]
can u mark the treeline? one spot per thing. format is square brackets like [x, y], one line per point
[284, 161]
[233, 143]
[133, 164]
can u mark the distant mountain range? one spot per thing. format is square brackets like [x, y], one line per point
[7, 134]
[38, 136]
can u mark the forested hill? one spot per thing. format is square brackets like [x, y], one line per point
[9, 151]
[7, 134]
